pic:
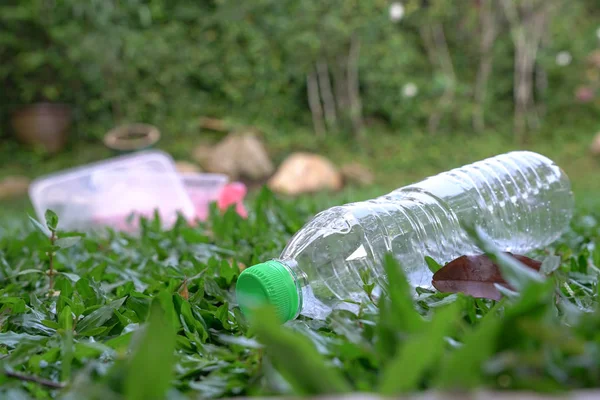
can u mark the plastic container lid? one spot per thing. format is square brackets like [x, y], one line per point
[268, 283]
[107, 193]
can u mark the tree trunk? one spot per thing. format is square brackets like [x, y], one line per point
[340, 88]
[488, 24]
[314, 102]
[354, 87]
[327, 95]
[439, 55]
[539, 80]
[527, 30]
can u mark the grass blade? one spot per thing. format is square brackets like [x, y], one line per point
[66, 325]
[296, 358]
[100, 316]
[462, 368]
[432, 264]
[417, 355]
[151, 367]
[403, 311]
[397, 313]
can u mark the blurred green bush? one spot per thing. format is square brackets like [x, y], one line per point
[168, 62]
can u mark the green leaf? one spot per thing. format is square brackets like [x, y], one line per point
[99, 317]
[228, 271]
[85, 290]
[123, 317]
[403, 312]
[12, 339]
[419, 353]
[296, 358]
[43, 229]
[66, 322]
[193, 321]
[432, 264]
[462, 369]
[28, 271]
[222, 314]
[65, 319]
[77, 306]
[126, 289]
[51, 220]
[67, 242]
[166, 299]
[550, 264]
[85, 351]
[397, 312]
[73, 277]
[65, 288]
[13, 305]
[535, 301]
[120, 343]
[94, 331]
[150, 371]
[51, 324]
[37, 361]
[140, 304]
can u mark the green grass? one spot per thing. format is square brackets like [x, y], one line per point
[399, 159]
[120, 316]
[117, 300]
[396, 158]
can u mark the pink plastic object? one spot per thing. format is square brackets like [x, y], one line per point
[233, 194]
[108, 192]
[203, 189]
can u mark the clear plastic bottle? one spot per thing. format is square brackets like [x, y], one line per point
[521, 199]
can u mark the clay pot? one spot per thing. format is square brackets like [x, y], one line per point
[44, 125]
[132, 137]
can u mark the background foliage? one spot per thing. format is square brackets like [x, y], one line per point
[169, 62]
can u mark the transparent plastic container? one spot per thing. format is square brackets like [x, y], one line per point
[203, 190]
[521, 199]
[114, 192]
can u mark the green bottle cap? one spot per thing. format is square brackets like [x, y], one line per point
[268, 283]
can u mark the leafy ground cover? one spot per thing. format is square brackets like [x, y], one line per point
[113, 316]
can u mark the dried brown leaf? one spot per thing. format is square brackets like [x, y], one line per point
[475, 275]
[183, 291]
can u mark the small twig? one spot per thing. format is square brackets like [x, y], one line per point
[31, 378]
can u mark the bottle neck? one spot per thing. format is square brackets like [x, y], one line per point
[300, 279]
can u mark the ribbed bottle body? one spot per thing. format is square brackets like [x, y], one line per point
[521, 199]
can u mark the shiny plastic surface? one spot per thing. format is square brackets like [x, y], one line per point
[114, 192]
[521, 199]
